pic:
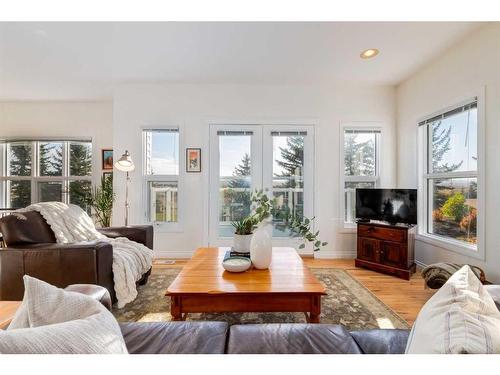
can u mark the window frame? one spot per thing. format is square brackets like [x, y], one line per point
[66, 178]
[160, 226]
[424, 177]
[367, 127]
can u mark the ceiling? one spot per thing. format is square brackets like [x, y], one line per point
[72, 61]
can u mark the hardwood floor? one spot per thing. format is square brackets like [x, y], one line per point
[406, 298]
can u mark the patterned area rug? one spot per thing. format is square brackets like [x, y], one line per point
[347, 302]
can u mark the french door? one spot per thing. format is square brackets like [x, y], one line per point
[276, 158]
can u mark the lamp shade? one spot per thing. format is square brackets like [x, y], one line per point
[125, 163]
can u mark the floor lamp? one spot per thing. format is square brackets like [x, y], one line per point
[125, 164]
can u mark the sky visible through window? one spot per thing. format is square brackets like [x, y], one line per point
[165, 153]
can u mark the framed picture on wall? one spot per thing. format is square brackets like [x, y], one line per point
[193, 160]
[107, 159]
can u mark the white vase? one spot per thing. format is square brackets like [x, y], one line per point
[241, 243]
[261, 247]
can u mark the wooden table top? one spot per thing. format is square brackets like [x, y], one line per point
[7, 311]
[204, 274]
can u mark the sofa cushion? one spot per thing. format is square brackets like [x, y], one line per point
[175, 337]
[494, 292]
[25, 228]
[54, 321]
[382, 341]
[291, 339]
[461, 318]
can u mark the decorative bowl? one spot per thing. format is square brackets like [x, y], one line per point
[236, 264]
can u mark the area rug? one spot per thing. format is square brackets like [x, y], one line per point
[347, 302]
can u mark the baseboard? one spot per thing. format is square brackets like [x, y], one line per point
[420, 264]
[335, 254]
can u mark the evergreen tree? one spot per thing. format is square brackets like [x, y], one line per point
[51, 159]
[239, 195]
[359, 157]
[440, 146]
[20, 165]
[241, 171]
[292, 163]
[80, 164]
[292, 160]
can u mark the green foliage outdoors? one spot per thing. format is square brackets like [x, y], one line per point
[455, 207]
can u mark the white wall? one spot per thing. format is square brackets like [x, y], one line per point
[472, 64]
[193, 107]
[61, 119]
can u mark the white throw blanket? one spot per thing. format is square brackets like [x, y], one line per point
[71, 224]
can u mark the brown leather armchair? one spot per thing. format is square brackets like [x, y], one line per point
[31, 249]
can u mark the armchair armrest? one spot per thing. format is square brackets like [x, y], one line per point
[58, 264]
[139, 233]
[97, 292]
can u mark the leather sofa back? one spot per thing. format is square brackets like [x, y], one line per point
[25, 228]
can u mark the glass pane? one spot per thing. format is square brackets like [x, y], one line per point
[162, 152]
[19, 194]
[80, 158]
[235, 181]
[453, 208]
[454, 143]
[50, 158]
[79, 193]
[350, 198]
[288, 179]
[360, 154]
[19, 158]
[162, 201]
[50, 191]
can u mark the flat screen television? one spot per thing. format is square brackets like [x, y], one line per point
[390, 205]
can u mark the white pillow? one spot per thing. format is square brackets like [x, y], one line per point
[53, 321]
[460, 318]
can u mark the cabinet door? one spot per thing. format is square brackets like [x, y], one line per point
[393, 254]
[368, 249]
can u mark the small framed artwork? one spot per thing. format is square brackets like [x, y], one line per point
[107, 159]
[193, 160]
[107, 175]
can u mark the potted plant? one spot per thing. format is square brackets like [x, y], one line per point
[243, 234]
[260, 245]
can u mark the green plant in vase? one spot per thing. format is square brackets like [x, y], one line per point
[264, 208]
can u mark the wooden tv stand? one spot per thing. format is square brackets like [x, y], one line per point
[386, 248]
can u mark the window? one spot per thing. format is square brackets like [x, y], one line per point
[235, 178]
[276, 158]
[450, 179]
[361, 166]
[41, 171]
[161, 169]
[288, 177]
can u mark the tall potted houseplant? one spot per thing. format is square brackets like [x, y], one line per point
[100, 199]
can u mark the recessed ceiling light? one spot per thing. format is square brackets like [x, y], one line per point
[369, 53]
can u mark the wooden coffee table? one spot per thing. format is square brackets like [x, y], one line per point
[204, 286]
[7, 311]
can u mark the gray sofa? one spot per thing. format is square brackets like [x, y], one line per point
[219, 338]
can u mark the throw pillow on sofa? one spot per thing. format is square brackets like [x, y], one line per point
[460, 318]
[53, 321]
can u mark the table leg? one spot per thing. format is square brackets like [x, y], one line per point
[176, 308]
[315, 309]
